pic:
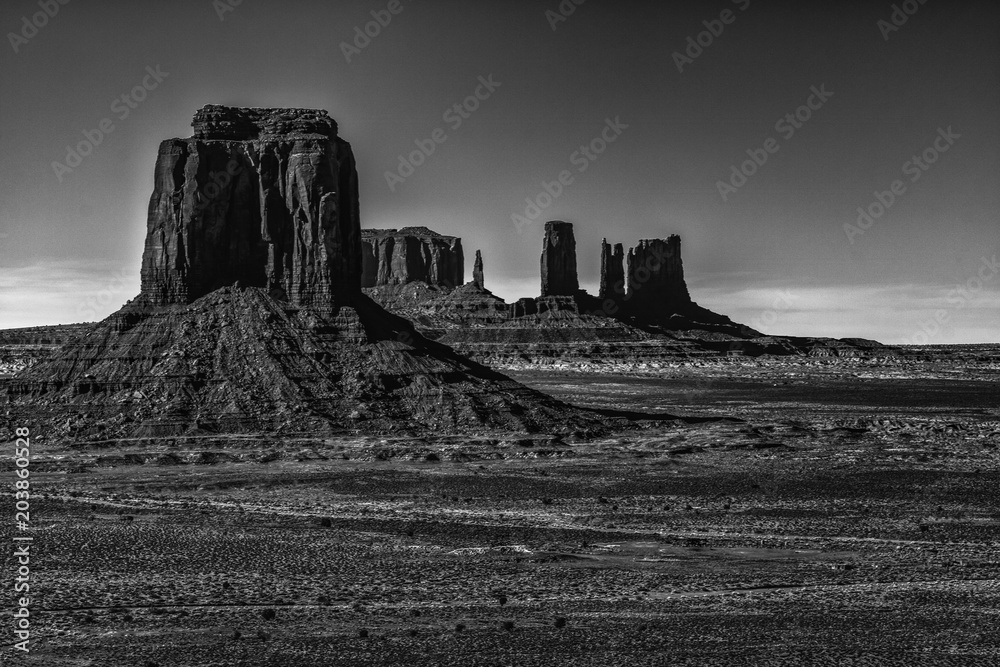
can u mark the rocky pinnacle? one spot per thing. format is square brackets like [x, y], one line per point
[559, 277]
[477, 271]
[612, 271]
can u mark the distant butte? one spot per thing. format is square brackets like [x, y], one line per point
[397, 257]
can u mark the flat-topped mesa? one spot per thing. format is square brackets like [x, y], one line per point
[260, 197]
[477, 271]
[612, 271]
[411, 254]
[559, 276]
[656, 284]
[221, 123]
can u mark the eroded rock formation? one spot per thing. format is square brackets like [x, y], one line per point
[477, 271]
[559, 276]
[261, 197]
[656, 278]
[612, 271]
[411, 254]
[252, 319]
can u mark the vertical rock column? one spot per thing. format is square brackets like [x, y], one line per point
[612, 271]
[559, 277]
[477, 271]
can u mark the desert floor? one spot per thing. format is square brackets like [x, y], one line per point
[808, 515]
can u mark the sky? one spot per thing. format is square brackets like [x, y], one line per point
[754, 130]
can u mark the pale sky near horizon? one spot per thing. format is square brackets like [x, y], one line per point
[773, 253]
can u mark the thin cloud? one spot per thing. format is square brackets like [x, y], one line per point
[63, 292]
[892, 314]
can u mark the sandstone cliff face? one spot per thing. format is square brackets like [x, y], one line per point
[612, 271]
[411, 254]
[656, 284]
[261, 197]
[559, 276]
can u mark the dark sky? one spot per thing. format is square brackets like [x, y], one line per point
[773, 253]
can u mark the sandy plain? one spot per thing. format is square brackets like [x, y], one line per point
[797, 512]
